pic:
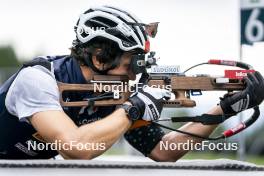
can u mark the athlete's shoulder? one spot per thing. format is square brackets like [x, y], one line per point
[53, 57]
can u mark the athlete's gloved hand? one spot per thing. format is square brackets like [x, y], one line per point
[149, 102]
[252, 96]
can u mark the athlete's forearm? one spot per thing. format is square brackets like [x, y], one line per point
[176, 138]
[103, 134]
[200, 129]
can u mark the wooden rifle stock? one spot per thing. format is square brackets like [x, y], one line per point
[181, 86]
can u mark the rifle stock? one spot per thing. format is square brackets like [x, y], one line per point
[181, 86]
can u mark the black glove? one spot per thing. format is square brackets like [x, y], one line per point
[252, 96]
[149, 102]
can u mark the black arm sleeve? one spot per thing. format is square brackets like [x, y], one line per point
[145, 138]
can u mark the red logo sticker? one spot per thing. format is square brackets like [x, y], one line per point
[237, 74]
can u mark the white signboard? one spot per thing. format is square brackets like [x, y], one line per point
[252, 21]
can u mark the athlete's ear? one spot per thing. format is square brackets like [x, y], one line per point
[96, 59]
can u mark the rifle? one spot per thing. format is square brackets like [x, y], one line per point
[181, 86]
[113, 90]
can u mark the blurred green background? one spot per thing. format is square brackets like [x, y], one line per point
[9, 62]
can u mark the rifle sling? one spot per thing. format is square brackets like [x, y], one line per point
[206, 119]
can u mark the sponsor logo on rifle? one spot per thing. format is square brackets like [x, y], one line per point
[237, 74]
[165, 69]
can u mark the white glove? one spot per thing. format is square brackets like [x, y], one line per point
[149, 101]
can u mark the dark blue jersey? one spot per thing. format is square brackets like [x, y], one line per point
[15, 135]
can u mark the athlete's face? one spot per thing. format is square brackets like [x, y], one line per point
[124, 67]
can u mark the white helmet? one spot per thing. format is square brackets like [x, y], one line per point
[113, 24]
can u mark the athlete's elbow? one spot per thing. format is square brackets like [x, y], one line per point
[72, 148]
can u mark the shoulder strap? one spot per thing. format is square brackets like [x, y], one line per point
[38, 61]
